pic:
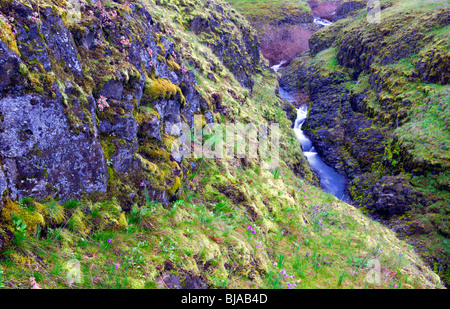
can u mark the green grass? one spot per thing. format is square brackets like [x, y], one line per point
[269, 12]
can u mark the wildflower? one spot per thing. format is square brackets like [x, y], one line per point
[110, 240]
[142, 184]
[249, 226]
[381, 250]
[283, 272]
[292, 277]
[256, 246]
[125, 42]
[318, 264]
[117, 266]
[35, 17]
[395, 285]
[102, 103]
[291, 285]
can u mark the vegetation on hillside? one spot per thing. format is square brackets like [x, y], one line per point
[230, 224]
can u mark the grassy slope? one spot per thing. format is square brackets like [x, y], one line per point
[266, 10]
[298, 228]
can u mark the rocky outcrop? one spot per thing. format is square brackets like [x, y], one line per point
[347, 8]
[60, 42]
[41, 157]
[89, 107]
[325, 37]
[360, 47]
[386, 196]
[9, 64]
[242, 61]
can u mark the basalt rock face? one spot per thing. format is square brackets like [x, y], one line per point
[325, 37]
[243, 61]
[347, 8]
[41, 157]
[387, 196]
[9, 63]
[91, 107]
[359, 48]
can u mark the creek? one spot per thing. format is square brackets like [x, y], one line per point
[330, 180]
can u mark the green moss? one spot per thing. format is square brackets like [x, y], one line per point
[160, 89]
[31, 216]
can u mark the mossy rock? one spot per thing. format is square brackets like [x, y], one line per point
[31, 217]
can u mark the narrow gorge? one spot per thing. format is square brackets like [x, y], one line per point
[98, 98]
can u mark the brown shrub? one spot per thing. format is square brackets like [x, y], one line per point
[283, 42]
[325, 10]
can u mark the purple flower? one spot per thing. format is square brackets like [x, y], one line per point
[249, 226]
[318, 264]
[117, 266]
[381, 250]
[110, 240]
[395, 285]
[283, 272]
[256, 246]
[142, 184]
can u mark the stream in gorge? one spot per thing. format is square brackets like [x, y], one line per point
[330, 180]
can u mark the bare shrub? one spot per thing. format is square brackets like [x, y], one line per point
[283, 42]
[325, 10]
